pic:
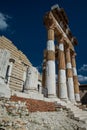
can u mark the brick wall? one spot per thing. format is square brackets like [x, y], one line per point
[35, 105]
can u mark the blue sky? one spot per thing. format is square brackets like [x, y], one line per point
[22, 22]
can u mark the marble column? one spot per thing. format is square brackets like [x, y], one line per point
[75, 78]
[62, 71]
[70, 85]
[44, 71]
[31, 83]
[50, 65]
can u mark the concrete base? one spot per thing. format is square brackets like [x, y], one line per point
[5, 91]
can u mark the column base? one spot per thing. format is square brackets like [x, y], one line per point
[72, 100]
[64, 99]
[77, 97]
[52, 96]
[30, 91]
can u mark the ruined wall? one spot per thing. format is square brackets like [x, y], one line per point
[17, 66]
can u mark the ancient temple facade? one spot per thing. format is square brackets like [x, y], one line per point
[59, 59]
[16, 71]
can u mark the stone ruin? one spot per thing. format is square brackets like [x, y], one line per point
[22, 84]
[18, 76]
[16, 72]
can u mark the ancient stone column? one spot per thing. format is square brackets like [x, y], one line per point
[75, 78]
[44, 71]
[44, 75]
[62, 71]
[31, 82]
[70, 85]
[50, 64]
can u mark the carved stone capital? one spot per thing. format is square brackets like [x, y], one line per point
[73, 54]
[48, 21]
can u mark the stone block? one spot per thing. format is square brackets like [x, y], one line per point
[31, 79]
[5, 91]
[79, 118]
[83, 128]
[84, 121]
[4, 60]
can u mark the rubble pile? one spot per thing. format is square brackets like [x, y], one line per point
[15, 114]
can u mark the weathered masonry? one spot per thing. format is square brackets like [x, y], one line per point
[63, 53]
[83, 93]
[16, 71]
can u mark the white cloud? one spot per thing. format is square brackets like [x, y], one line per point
[83, 68]
[3, 21]
[82, 78]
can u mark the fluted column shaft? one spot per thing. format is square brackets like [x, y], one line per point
[44, 74]
[50, 64]
[62, 71]
[75, 78]
[70, 85]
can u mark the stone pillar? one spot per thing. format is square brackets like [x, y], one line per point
[50, 64]
[75, 78]
[62, 71]
[44, 89]
[31, 83]
[4, 62]
[70, 85]
[44, 71]
[44, 75]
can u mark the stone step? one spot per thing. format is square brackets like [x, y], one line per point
[80, 118]
[73, 109]
[84, 121]
[83, 128]
[80, 115]
[76, 111]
